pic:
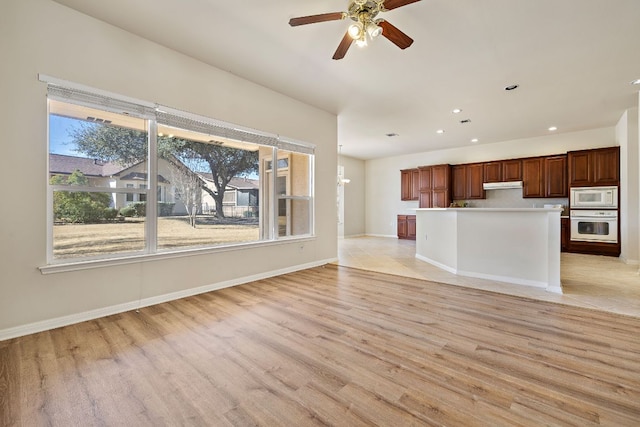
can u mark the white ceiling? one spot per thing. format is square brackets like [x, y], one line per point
[573, 60]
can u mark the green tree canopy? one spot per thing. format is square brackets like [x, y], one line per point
[129, 146]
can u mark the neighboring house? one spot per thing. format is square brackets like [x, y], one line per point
[114, 175]
[241, 197]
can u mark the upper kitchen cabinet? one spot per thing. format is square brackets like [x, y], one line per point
[440, 177]
[533, 177]
[466, 181]
[503, 171]
[475, 178]
[492, 172]
[424, 178]
[459, 182]
[435, 190]
[555, 173]
[591, 168]
[409, 184]
[544, 177]
[511, 170]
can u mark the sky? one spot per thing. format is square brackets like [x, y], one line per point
[60, 142]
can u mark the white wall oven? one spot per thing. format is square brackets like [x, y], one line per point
[594, 198]
[594, 226]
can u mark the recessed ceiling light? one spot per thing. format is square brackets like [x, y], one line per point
[440, 131]
[635, 82]
[553, 128]
[512, 87]
[474, 140]
[456, 111]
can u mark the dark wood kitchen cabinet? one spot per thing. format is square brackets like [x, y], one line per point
[415, 184]
[458, 182]
[555, 175]
[492, 172]
[565, 234]
[544, 177]
[592, 168]
[402, 226]
[511, 170]
[407, 227]
[435, 191]
[503, 171]
[409, 184]
[466, 181]
[411, 227]
[533, 177]
[424, 193]
[424, 178]
[440, 177]
[475, 178]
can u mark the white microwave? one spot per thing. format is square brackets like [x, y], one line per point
[594, 197]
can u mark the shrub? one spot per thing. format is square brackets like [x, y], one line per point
[137, 209]
[110, 213]
[78, 207]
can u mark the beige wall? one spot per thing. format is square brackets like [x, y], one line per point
[354, 197]
[40, 36]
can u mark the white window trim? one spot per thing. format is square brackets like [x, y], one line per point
[70, 92]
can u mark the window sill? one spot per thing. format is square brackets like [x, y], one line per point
[133, 259]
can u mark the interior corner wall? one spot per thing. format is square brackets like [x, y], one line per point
[354, 196]
[44, 37]
[629, 220]
[383, 175]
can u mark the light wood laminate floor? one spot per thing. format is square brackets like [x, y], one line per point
[330, 346]
[590, 281]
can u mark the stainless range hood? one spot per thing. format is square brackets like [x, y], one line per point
[502, 185]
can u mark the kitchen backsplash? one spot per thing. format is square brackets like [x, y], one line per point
[512, 198]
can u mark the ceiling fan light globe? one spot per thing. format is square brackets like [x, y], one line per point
[355, 31]
[373, 30]
[362, 41]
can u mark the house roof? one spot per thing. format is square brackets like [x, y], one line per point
[66, 165]
[244, 184]
[141, 176]
[237, 183]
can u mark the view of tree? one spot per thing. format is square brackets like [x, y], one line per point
[224, 164]
[188, 188]
[129, 146]
[80, 206]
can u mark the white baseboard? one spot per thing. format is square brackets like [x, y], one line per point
[393, 236]
[496, 278]
[437, 264]
[58, 322]
[629, 261]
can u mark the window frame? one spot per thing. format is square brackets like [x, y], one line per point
[72, 93]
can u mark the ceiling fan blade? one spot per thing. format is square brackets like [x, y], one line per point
[395, 36]
[312, 19]
[393, 4]
[343, 47]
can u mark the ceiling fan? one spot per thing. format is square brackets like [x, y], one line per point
[363, 13]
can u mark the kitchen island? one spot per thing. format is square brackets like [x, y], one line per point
[519, 245]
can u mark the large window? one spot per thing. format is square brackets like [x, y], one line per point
[214, 184]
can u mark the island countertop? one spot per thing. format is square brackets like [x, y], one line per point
[515, 245]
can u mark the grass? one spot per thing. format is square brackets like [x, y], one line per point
[83, 240]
